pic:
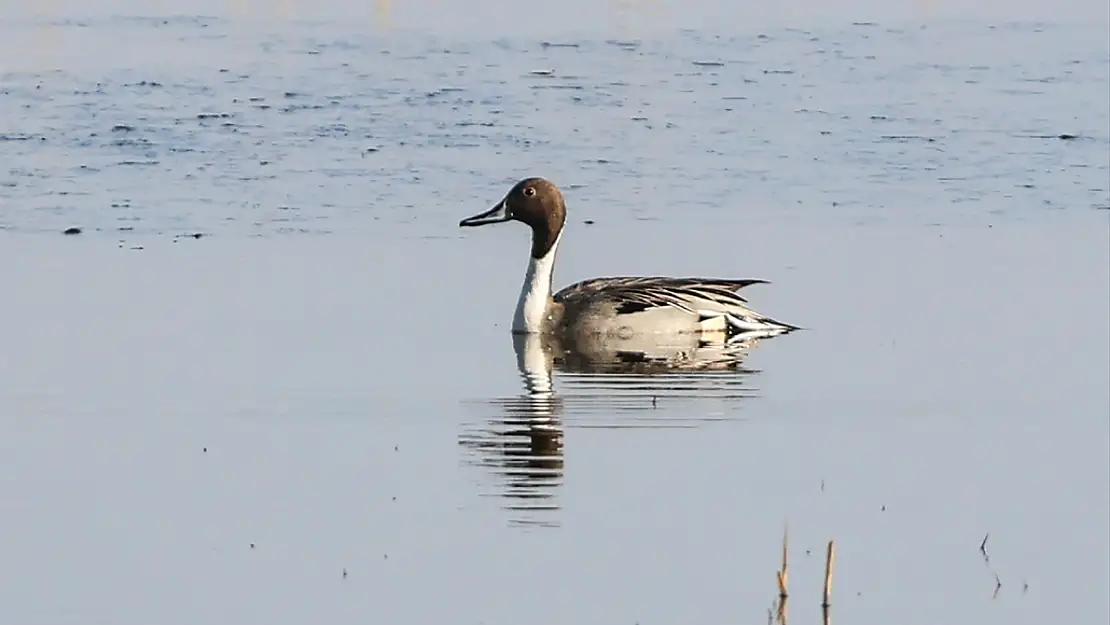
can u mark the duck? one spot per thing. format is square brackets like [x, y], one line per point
[620, 307]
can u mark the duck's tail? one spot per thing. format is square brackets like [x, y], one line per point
[742, 320]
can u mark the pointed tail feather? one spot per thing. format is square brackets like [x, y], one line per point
[759, 324]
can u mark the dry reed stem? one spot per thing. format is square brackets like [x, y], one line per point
[829, 558]
[782, 575]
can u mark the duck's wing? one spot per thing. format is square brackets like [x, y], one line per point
[640, 293]
[706, 297]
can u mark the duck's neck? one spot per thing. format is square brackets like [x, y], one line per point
[535, 295]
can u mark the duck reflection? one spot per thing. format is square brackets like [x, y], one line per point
[651, 354]
[523, 443]
[636, 382]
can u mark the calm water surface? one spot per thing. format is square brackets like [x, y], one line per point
[314, 412]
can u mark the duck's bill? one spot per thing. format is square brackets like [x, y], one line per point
[495, 215]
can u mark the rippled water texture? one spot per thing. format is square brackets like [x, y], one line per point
[268, 379]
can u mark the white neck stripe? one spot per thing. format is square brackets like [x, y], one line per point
[531, 308]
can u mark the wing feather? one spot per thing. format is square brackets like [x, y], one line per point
[705, 297]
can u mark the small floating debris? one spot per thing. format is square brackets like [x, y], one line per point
[1063, 137]
[542, 72]
[590, 222]
[122, 128]
[551, 44]
[709, 63]
[71, 231]
[190, 235]
[905, 138]
[213, 115]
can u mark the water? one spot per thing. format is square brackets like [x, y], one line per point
[314, 412]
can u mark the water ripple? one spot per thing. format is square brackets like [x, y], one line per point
[219, 127]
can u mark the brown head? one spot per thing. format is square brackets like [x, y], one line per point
[536, 202]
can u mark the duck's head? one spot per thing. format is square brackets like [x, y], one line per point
[536, 202]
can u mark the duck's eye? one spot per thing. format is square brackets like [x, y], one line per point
[529, 191]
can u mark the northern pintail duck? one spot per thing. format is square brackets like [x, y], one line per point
[619, 307]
